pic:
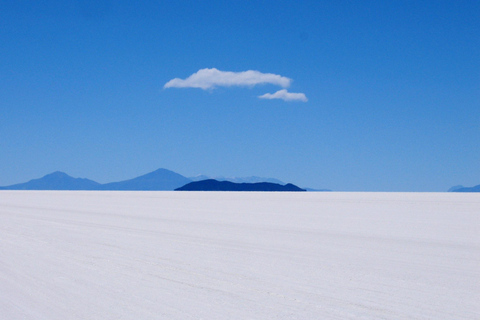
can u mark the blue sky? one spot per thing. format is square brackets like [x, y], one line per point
[393, 91]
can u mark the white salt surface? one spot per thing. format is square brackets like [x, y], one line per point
[189, 255]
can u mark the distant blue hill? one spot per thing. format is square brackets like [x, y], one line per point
[317, 190]
[214, 185]
[250, 179]
[56, 181]
[454, 188]
[467, 189]
[161, 179]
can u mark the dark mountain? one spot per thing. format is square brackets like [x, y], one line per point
[214, 185]
[466, 189]
[250, 179]
[56, 181]
[161, 179]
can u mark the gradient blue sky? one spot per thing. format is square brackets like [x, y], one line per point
[393, 91]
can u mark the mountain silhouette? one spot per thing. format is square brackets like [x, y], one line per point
[214, 185]
[317, 190]
[251, 179]
[56, 181]
[161, 179]
[467, 189]
[454, 188]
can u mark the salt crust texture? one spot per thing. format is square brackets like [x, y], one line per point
[210, 255]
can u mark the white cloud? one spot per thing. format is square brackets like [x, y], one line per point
[285, 95]
[211, 78]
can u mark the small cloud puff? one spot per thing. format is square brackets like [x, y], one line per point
[212, 78]
[285, 95]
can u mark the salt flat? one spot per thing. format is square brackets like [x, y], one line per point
[194, 255]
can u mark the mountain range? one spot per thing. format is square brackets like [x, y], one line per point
[161, 179]
[215, 185]
[56, 181]
[251, 179]
[465, 189]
